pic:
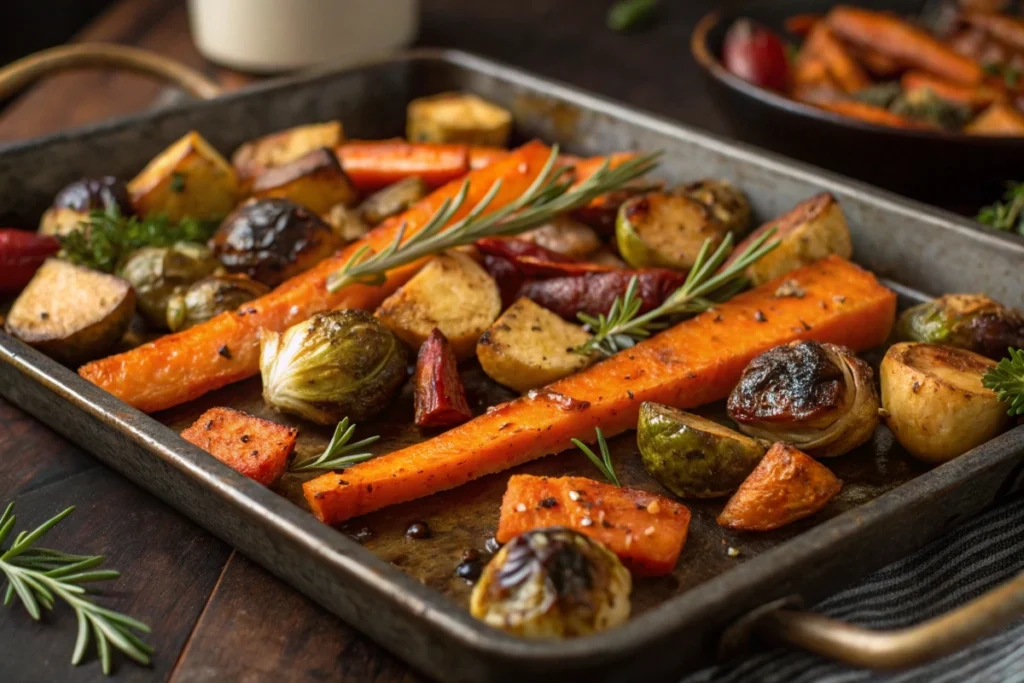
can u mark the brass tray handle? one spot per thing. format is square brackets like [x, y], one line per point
[27, 70]
[892, 649]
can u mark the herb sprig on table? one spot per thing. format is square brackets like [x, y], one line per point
[39, 576]
[1007, 215]
[1007, 380]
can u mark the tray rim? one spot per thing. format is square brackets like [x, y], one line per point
[281, 517]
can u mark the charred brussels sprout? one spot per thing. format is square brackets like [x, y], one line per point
[727, 203]
[333, 365]
[157, 273]
[209, 297]
[72, 205]
[270, 240]
[552, 583]
[660, 229]
[693, 457]
[970, 321]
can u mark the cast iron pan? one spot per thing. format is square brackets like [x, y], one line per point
[948, 169]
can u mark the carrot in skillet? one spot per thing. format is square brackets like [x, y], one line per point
[879, 64]
[822, 45]
[869, 113]
[374, 164]
[180, 367]
[696, 362]
[1007, 29]
[973, 96]
[1001, 118]
[645, 530]
[904, 42]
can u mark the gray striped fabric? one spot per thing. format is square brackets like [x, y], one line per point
[965, 563]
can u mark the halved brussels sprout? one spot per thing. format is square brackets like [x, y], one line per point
[210, 297]
[665, 230]
[727, 203]
[970, 321]
[333, 365]
[157, 273]
[552, 583]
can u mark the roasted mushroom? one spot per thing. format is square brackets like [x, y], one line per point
[970, 321]
[270, 240]
[210, 297]
[552, 583]
[72, 205]
[156, 273]
[333, 365]
[819, 397]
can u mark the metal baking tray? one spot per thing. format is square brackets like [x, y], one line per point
[403, 593]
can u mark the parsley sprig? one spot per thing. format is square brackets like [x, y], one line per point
[1007, 215]
[1007, 380]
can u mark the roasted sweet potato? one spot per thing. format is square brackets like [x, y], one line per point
[481, 156]
[250, 445]
[440, 398]
[786, 485]
[458, 117]
[314, 180]
[645, 530]
[593, 293]
[822, 45]
[373, 164]
[869, 113]
[999, 119]
[283, 147]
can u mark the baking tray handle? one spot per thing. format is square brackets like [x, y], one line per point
[892, 649]
[27, 70]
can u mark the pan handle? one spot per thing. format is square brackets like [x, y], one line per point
[892, 649]
[27, 70]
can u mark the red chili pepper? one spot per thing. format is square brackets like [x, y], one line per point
[21, 254]
[756, 54]
[440, 397]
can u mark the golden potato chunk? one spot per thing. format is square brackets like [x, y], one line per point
[314, 180]
[59, 221]
[451, 293]
[189, 178]
[529, 347]
[282, 147]
[458, 117]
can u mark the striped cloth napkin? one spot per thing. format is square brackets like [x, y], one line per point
[963, 564]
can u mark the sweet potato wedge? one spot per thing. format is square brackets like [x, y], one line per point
[645, 530]
[696, 362]
[373, 164]
[481, 157]
[822, 45]
[786, 485]
[182, 366]
[250, 445]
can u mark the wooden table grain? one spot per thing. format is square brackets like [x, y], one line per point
[215, 615]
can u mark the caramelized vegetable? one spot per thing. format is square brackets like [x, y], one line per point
[868, 113]
[971, 321]
[845, 71]
[440, 398]
[696, 362]
[283, 147]
[458, 117]
[393, 200]
[347, 223]
[727, 203]
[999, 119]
[665, 230]
[975, 97]
[314, 180]
[565, 235]
[593, 293]
[210, 297]
[158, 273]
[250, 445]
[372, 165]
[756, 54]
[787, 485]
[645, 530]
[21, 254]
[72, 204]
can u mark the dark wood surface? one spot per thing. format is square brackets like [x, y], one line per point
[215, 615]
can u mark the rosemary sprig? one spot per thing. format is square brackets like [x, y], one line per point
[38, 576]
[706, 285]
[550, 194]
[1007, 380]
[339, 452]
[604, 463]
[1007, 215]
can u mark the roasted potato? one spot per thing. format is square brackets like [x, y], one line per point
[72, 204]
[529, 347]
[565, 235]
[71, 313]
[458, 117]
[189, 178]
[283, 147]
[392, 200]
[314, 180]
[451, 293]
[934, 400]
[660, 229]
[810, 231]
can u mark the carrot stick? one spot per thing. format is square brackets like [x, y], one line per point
[696, 362]
[180, 367]
[976, 97]
[801, 24]
[822, 45]
[999, 119]
[481, 157]
[904, 42]
[869, 113]
[373, 164]
[874, 61]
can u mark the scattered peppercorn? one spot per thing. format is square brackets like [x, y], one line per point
[418, 531]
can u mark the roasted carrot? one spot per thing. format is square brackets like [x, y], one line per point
[879, 64]
[250, 445]
[904, 42]
[801, 24]
[645, 530]
[974, 96]
[1007, 29]
[481, 157]
[812, 82]
[822, 45]
[696, 362]
[869, 113]
[374, 164]
[180, 367]
[1001, 118]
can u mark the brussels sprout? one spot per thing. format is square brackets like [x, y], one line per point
[693, 457]
[156, 273]
[552, 583]
[727, 203]
[333, 365]
[660, 229]
[209, 297]
[970, 321]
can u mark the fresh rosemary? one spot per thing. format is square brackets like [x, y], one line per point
[1007, 215]
[339, 452]
[707, 284]
[604, 463]
[1007, 380]
[549, 195]
[38, 576]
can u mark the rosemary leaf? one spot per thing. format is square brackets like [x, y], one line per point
[339, 453]
[603, 463]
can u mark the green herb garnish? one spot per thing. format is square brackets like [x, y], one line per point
[628, 14]
[107, 237]
[38, 576]
[604, 463]
[1007, 215]
[1007, 380]
[339, 452]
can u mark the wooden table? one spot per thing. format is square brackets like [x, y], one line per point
[215, 615]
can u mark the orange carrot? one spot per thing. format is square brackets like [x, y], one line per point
[1007, 29]
[1000, 119]
[481, 157]
[868, 113]
[874, 61]
[180, 367]
[801, 24]
[255, 447]
[645, 530]
[976, 97]
[373, 164]
[904, 42]
[696, 362]
[822, 45]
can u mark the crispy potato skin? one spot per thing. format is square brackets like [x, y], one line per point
[451, 293]
[786, 485]
[250, 445]
[458, 117]
[314, 180]
[283, 147]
